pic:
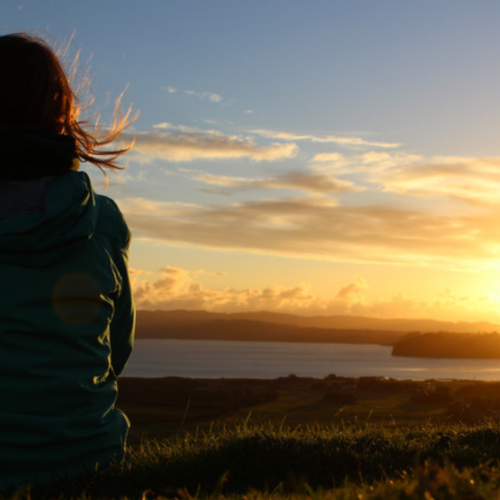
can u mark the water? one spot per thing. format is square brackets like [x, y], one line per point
[216, 359]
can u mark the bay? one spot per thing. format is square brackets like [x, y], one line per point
[267, 360]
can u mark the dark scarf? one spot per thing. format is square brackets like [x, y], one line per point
[31, 153]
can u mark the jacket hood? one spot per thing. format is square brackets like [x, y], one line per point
[34, 152]
[67, 222]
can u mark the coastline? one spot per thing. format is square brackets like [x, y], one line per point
[268, 360]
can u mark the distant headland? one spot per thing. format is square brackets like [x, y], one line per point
[449, 345]
[409, 337]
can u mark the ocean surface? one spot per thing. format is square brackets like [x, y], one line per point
[226, 359]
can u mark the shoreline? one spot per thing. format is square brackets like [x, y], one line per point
[303, 377]
[267, 360]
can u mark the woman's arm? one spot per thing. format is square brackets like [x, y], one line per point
[122, 328]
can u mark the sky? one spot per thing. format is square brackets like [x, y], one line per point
[324, 157]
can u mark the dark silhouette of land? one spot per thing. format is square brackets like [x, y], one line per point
[160, 407]
[276, 327]
[409, 337]
[449, 345]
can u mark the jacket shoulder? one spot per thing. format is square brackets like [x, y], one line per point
[111, 222]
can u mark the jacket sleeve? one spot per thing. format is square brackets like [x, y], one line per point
[122, 327]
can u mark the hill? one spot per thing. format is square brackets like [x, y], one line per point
[234, 329]
[299, 438]
[268, 326]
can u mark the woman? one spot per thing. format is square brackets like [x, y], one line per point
[66, 312]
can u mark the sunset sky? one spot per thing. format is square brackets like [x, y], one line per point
[313, 157]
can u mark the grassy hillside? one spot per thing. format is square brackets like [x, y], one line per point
[274, 462]
[161, 407]
[336, 438]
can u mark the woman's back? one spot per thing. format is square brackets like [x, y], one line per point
[65, 333]
[66, 312]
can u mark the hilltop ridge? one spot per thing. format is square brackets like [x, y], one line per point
[270, 326]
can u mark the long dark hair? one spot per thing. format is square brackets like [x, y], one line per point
[35, 91]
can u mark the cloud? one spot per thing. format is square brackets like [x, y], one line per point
[369, 162]
[440, 211]
[209, 273]
[474, 180]
[446, 305]
[185, 129]
[202, 95]
[178, 289]
[182, 289]
[134, 271]
[328, 157]
[467, 179]
[353, 292]
[184, 144]
[344, 141]
[302, 181]
[320, 228]
[145, 206]
[211, 96]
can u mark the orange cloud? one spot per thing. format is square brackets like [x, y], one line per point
[473, 180]
[353, 292]
[319, 228]
[180, 289]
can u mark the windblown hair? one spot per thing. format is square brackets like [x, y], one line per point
[36, 92]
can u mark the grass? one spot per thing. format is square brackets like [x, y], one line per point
[302, 442]
[273, 461]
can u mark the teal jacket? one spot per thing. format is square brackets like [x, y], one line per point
[66, 331]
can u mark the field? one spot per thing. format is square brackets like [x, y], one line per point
[162, 407]
[295, 437]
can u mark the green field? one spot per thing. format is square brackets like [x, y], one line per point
[302, 438]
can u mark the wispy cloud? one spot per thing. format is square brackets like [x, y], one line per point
[467, 179]
[202, 95]
[184, 144]
[302, 181]
[473, 180]
[211, 96]
[368, 162]
[341, 140]
[320, 228]
[455, 226]
[185, 129]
